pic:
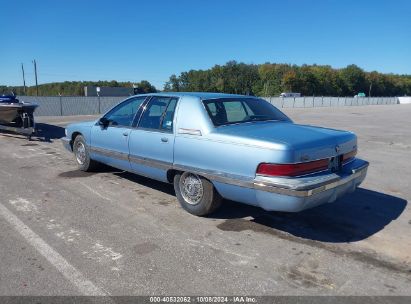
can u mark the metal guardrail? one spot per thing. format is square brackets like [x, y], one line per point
[82, 105]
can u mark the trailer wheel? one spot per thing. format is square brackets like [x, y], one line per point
[82, 155]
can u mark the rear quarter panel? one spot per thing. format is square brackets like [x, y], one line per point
[220, 155]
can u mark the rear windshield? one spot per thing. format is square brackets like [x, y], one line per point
[226, 111]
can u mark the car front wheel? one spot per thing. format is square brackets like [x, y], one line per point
[82, 155]
[196, 194]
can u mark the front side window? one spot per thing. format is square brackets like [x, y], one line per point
[159, 114]
[123, 114]
[227, 111]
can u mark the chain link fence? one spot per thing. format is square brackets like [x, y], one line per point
[82, 105]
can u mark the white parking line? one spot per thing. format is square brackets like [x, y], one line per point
[85, 286]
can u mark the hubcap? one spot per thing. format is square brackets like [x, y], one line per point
[191, 188]
[80, 153]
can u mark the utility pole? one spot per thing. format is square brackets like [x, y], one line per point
[369, 91]
[24, 79]
[35, 74]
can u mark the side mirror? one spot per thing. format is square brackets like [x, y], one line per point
[103, 122]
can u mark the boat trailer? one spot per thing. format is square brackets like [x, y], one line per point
[27, 128]
[17, 116]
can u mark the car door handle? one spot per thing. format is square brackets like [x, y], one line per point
[125, 134]
[164, 139]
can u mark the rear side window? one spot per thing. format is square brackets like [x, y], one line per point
[159, 114]
[227, 111]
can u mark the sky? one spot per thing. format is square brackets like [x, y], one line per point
[151, 40]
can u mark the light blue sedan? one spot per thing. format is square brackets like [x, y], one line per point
[213, 146]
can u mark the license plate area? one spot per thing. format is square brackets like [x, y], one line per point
[335, 164]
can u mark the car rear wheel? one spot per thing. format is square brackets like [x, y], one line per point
[196, 194]
[82, 155]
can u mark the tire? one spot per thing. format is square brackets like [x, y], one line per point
[82, 155]
[196, 194]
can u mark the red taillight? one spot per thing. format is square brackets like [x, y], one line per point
[349, 156]
[292, 169]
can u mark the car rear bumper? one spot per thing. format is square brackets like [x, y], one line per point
[296, 194]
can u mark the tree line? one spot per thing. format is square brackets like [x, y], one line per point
[271, 79]
[75, 88]
[268, 79]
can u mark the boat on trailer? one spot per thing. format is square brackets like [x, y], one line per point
[17, 116]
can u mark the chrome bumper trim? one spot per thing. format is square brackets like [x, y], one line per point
[314, 188]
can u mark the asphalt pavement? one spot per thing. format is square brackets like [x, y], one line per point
[66, 232]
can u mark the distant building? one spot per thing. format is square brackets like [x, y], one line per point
[107, 91]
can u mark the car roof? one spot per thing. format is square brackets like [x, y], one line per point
[201, 95]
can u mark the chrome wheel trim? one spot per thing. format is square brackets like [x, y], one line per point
[191, 188]
[80, 152]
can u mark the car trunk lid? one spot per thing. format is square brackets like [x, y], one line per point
[304, 142]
